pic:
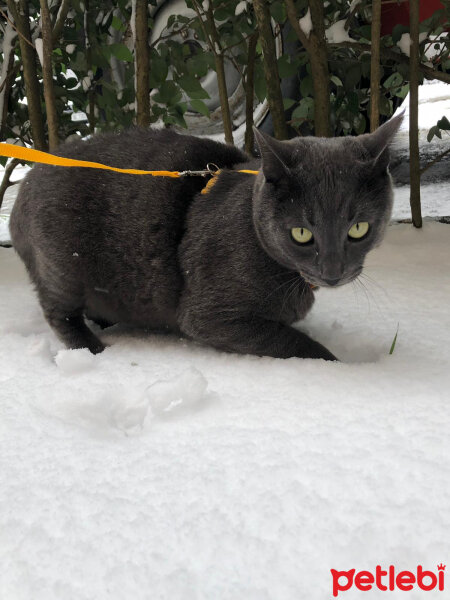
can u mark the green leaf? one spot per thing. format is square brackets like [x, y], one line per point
[359, 123]
[116, 23]
[192, 87]
[443, 123]
[70, 83]
[158, 71]
[121, 52]
[337, 82]
[288, 103]
[352, 77]
[398, 31]
[306, 86]
[260, 84]
[168, 93]
[403, 91]
[199, 64]
[385, 106]
[434, 131]
[353, 102]
[200, 107]
[224, 13]
[393, 80]
[278, 12]
[304, 109]
[285, 67]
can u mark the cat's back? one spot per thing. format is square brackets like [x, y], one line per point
[104, 230]
[56, 202]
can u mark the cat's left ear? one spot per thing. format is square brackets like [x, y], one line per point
[274, 155]
[377, 143]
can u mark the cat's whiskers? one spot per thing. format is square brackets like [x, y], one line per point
[372, 281]
[289, 281]
[369, 294]
[378, 288]
[289, 293]
[362, 287]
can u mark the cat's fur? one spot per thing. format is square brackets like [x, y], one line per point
[220, 268]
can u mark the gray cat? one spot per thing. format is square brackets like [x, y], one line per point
[233, 268]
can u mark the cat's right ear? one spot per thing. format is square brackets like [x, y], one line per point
[377, 143]
[273, 156]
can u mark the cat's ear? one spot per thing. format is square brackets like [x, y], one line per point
[274, 156]
[377, 143]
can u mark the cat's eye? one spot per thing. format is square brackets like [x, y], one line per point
[358, 230]
[301, 235]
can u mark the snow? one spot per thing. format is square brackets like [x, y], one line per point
[72, 362]
[39, 45]
[306, 23]
[86, 83]
[186, 393]
[404, 42]
[240, 7]
[337, 33]
[435, 200]
[434, 103]
[164, 469]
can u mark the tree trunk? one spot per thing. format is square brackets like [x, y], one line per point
[47, 73]
[8, 75]
[316, 47]
[88, 36]
[142, 63]
[219, 60]
[223, 95]
[414, 159]
[249, 93]
[274, 96]
[21, 18]
[375, 66]
[319, 68]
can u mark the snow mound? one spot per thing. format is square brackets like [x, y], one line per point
[183, 394]
[73, 362]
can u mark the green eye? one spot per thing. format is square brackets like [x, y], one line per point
[358, 230]
[301, 235]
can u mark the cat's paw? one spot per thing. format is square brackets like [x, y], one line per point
[320, 351]
[329, 356]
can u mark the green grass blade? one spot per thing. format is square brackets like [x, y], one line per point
[394, 341]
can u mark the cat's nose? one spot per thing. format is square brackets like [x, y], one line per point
[332, 281]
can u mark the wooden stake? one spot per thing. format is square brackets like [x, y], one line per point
[414, 159]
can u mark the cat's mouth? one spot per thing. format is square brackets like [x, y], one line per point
[314, 281]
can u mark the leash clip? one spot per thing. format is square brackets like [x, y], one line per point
[211, 169]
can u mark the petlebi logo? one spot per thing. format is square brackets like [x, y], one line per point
[389, 579]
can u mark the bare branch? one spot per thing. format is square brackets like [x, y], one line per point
[6, 183]
[375, 66]
[60, 20]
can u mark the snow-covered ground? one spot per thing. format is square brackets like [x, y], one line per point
[163, 469]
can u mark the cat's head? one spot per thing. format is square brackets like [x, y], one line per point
[321, 204]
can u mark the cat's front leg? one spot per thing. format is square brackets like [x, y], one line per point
[253, 335]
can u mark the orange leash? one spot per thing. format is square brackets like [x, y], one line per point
[28, 154]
